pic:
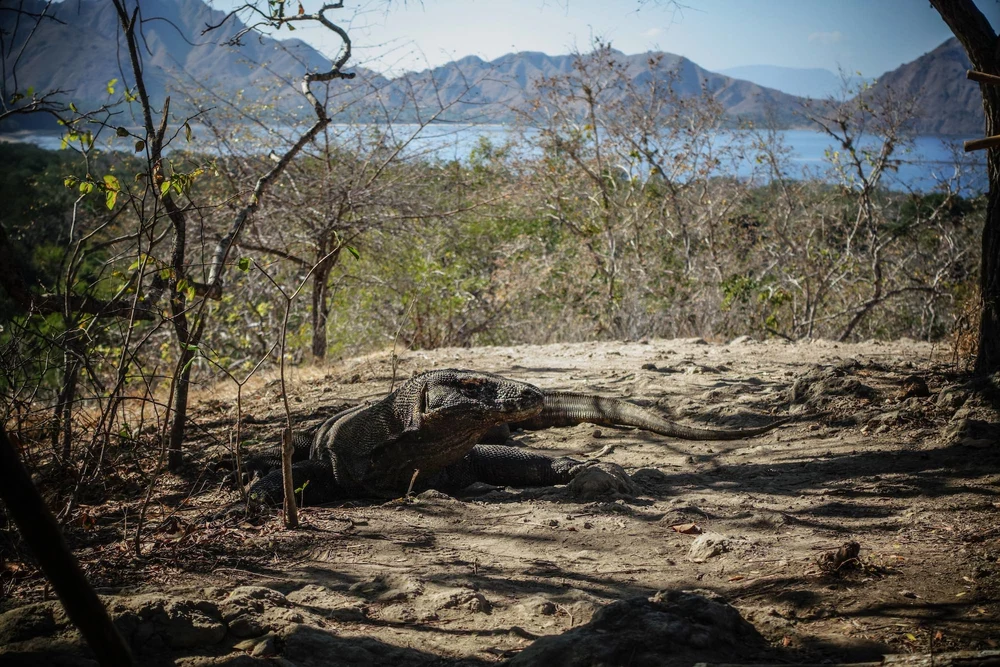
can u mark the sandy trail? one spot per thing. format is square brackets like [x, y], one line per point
[896, 467]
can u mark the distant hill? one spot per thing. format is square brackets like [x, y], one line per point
[81, 55]
[949, 104]
[816, 83]
[510, 81]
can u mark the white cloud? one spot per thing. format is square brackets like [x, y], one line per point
[827, 37]
[652, 32]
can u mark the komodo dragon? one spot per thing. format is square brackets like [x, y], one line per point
[433, 424]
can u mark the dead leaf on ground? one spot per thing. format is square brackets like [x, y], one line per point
[687, 528]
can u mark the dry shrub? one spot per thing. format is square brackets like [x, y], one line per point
[964, 335]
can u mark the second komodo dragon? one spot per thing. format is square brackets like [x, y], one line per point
[434, 423]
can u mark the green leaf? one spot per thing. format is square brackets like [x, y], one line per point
[111, 189]
[70, 181]
[140, 146]
[243, 264]
[190, 293]
[31, 91]
[121, 132]
[16, 97]
[182, 284]
[111, 86]
[353, 251]
[86, 187]
[72, 107]
[188, 364]
[164, 187]
[190, 348]
[187, 132]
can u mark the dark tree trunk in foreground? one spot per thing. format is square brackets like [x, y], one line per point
[41, 532]
[981, 44]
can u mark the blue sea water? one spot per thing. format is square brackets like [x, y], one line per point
[921, 165]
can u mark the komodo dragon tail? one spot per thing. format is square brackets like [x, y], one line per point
[569, 409]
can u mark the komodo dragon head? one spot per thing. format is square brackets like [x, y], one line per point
[452, 395]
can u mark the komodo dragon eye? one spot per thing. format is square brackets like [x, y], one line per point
[476, 388]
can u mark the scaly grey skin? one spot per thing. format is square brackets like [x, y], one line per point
[433, 423]
[562, 408]
[430, 422]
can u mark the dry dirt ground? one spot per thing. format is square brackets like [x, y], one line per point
[904, 460]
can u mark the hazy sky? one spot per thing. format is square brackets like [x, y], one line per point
[872, 36]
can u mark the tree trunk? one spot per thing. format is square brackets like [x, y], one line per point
[988, 355]
[174, 458]
[979, 39]
[64, 406]
[42, 534]
[320, 310]
[325, 261]
[189, 348]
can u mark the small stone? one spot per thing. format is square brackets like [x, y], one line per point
[265, 649]
[709, 545]
[601, 479]
[952, 398]
[913, 386]
[245, 626]
[246, 644]
[349, 614]
[478, 603]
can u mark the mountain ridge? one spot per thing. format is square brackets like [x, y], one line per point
[183, 61]
[812, 82]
